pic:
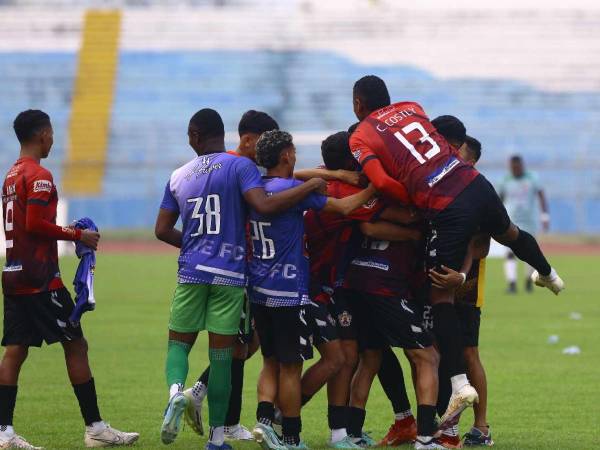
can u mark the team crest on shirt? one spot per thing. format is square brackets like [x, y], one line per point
[356, 154]
[42, 186]
[345, 319]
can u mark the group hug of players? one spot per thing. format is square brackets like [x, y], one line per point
[288, 261]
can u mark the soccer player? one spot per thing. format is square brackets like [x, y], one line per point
[279, 291]
[210, 194]
[37, 305]
[519, 191]
[407, 159]
[251, 126]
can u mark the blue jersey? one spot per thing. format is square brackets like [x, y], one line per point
[279, 272]
[207, 193]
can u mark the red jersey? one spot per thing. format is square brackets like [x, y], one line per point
[413, 153]
[330, 240]
[29, 201]
[385, 268]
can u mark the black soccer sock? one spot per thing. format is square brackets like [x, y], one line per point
[426, 420]
[291, 428]
[237, 385]
[446, 329]
[88, 402]
[392, 381]
[337, 416]
[265, 412]
[204, 377]
[444, 387]
[526, 248]
[8, 400]
[356, 420]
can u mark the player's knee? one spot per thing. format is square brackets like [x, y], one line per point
[240, 351]
[335, 361]
[424, 357]
[15, 355]
[78, 347]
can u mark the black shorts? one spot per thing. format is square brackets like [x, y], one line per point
[388, 321]
[341, 311]
[246, 329]
[469, 318]
[34, 318]
[322, 324]
[284, 332]
[477, 208]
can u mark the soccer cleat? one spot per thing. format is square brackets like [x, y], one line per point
[552, 281]
[450, 441]
[401, 432]
[172, 421]
[108, 437]
[364, 441]
[426, 443]
[300, 446]
[237, 433]
[267, 438]
[476, 438]
[193, 412]
[344, 443]
[16, 442]
[459, 401]
[211, 446]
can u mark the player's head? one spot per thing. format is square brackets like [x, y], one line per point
[336, 153]
[206, 129]
[452, 129]
[471, 151]
[252, 125]
[33, 129]
[369, 94]
[275, 149]
[517, 167]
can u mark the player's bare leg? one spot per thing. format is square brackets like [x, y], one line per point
[368, 366]
[481, 430]
[331, 361]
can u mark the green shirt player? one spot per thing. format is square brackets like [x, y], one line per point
[520, 191]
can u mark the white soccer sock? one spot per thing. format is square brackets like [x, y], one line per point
[174, 389]
[338, 434]
[458, 381]
[199, 390]
[96, 426]
[510, 270]
[6, 432]
[529, 271]
[217, 435]
[403, 415]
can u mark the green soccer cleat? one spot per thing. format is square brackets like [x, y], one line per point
[300, 446]
[267, 438]
[172, 421]
[344, 443]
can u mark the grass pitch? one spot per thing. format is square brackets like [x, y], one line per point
[539, 398]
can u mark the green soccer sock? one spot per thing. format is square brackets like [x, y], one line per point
[219, 384]
[177, 362]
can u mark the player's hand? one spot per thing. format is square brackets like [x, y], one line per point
[90, 238]
[451, 279]
[319, 185]
[350, 177]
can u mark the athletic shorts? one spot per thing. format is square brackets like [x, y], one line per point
[246, 327]
[214, 308]
[388, 321]
[341, 311]
[323, 325]
[33, 318]
[477, 208]
[284, 332]
[469, 318]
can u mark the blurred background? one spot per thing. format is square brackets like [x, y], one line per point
[120, 80]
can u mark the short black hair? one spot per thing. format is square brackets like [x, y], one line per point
[516, 158]
[451, 128]
[474, 146]
[372, 91]
[28, 123]
[256, 122]
[208, 123]
[335, 150]
[269, 147]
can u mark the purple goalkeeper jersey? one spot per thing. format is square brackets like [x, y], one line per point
[278, 269]
[207, 193]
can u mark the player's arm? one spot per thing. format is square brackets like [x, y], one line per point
[345, 176]
[448, 278]
[545, 215]
[265, 204]
[480, 245]
[346, 205]
[400, 214]
[165, 230]
[387, 231]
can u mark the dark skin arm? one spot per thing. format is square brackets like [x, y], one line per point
[400, 214]
[345, 176]
[346, 205]
[387, 231]
[165, 227]
[265, 204]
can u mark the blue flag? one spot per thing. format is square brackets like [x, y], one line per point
[84, 277]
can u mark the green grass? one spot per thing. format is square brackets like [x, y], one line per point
[539, 398]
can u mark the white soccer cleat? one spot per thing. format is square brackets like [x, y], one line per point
[459, 401]
[238, 433]
[108, 437]
[17, 442]
[427, 443]
[552, 281]
[172, 420]
[193, 412]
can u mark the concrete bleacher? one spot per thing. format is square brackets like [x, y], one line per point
[307, 88]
